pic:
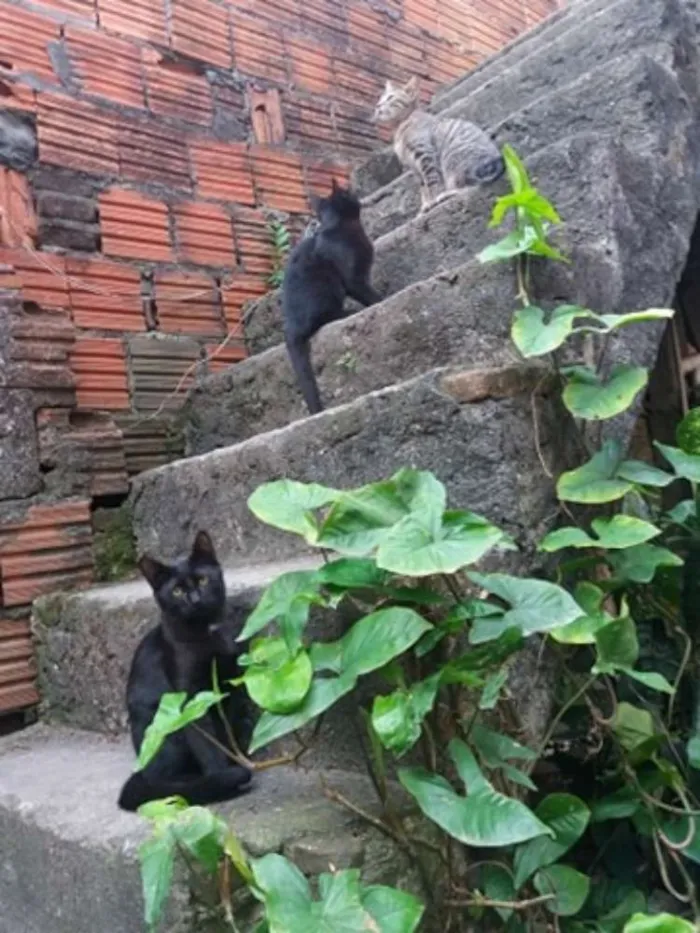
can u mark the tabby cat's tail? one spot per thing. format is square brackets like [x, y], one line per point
[490, 170]
[211, 788]
[300, 358]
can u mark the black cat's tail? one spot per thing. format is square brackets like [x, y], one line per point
[300, 357]
[198, 791]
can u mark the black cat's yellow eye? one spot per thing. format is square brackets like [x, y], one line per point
[178, 592]
[202, 579]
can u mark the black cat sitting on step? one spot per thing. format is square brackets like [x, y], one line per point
[177, 656]
[323, 269]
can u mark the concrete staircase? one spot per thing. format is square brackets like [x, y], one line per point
[603, 101]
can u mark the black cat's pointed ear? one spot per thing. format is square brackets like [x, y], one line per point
[155, 572]
[203, 546]
[334, 185]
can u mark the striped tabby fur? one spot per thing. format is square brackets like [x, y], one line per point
[445, 153]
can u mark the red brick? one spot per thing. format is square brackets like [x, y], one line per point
[253, 243]
[310, 122]
[75, 134]
[17, 218]
[220, 357]
[326, 17]
[421, 13]
[266, 116]
[105, 295]
[355, 132]
[258, 48]
[223, 171]
[151, 152]
[367, 29]
[50, 548]
[24, 41]
[17, 97]
[355, 82]
[311, 65]
[279, 179]
[143, 19]
[236, 293]
[107, 67]
[446, 62]
[85, 9]
[201, 29]
[204, 234]
[407, 50]
[42, 276]
[134, 226]
[320, 177]
[188, 304]
[173, 93]
[99, 365]
[280, 12]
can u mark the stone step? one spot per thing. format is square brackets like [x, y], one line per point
[610, 31]
[450, 234]
[457, 316]
[440, 421]
[85, 642]
[547, 31]
[596, 98]
[460, 314]
[69, 855]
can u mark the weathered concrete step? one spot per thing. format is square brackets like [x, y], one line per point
[458, 316]
[453, 232]
[472, 428]
[607, 32]
[68, 855]
[86, 639]
[622, 95]
[551, 30]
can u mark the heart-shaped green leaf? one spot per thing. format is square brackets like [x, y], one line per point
[536, 605]
[685, 465]
[658, 923]
[588, 396]
[533, 336]
[597, 480]
[287, 598]
[289, 505]
[639, 564]
[620, 531]
[567, 816]
[569, 887]
[419, 547]
[276, 680]
[484, 818]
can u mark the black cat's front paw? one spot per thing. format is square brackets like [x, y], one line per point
[242, 779]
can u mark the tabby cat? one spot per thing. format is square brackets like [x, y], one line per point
[176, 656]
[445, 153]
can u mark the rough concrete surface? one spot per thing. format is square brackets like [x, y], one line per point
[19, 460]
[484, 453]
[86, 640]
[68, 855]
[463, 314]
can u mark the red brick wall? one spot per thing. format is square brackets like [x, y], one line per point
[168, 132]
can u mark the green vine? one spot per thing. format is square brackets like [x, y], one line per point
[444, 637]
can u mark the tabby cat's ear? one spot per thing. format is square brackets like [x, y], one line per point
[412, 85]
[203, 546]
[155, 572]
